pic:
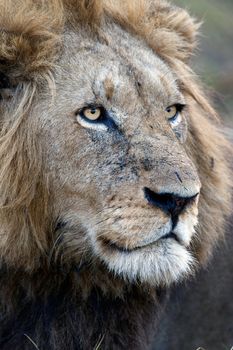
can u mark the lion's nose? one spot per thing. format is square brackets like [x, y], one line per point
[168, 202]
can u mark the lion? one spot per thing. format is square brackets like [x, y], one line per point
[114, 184]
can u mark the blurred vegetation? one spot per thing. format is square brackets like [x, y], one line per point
[214, 59]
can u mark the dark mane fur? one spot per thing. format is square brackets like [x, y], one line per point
[64, 316]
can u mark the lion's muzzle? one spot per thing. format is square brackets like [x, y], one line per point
[169, 203]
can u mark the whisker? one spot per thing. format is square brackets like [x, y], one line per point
[31, 341]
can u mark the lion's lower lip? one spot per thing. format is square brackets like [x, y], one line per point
[122, 249]
[171, 235]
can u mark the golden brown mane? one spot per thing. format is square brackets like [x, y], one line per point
[30, 44]
[32, 28]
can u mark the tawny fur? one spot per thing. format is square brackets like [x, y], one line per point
[32, 43]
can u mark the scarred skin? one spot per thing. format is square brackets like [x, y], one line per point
[114, 183]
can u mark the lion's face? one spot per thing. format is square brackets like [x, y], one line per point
[126, 192]
[104, 172]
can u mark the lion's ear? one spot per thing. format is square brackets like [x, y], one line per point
[171, 31]
[175, 32]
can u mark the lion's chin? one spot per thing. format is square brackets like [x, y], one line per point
[159, 264]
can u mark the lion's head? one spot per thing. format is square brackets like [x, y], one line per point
[110, 153]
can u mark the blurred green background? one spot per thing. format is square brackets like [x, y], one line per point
[214, 59]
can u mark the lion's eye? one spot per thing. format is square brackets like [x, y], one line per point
[92, 117]
[92, 114]
[174, 114]
[95, 117]
[172, 111]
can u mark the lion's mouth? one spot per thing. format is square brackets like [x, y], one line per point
[114, 246]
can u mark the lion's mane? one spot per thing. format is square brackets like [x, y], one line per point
[31, 41]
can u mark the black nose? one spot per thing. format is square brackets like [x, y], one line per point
[168, 202]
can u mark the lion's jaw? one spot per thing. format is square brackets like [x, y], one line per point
[139, 243]
[100, 175]
[134, 240]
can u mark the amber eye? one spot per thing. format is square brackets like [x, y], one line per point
[94, 117]
[174, 114]
[92, 114]
[172, 111]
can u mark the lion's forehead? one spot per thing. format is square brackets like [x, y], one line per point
[125, 70]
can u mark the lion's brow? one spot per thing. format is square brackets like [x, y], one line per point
[109, 87]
